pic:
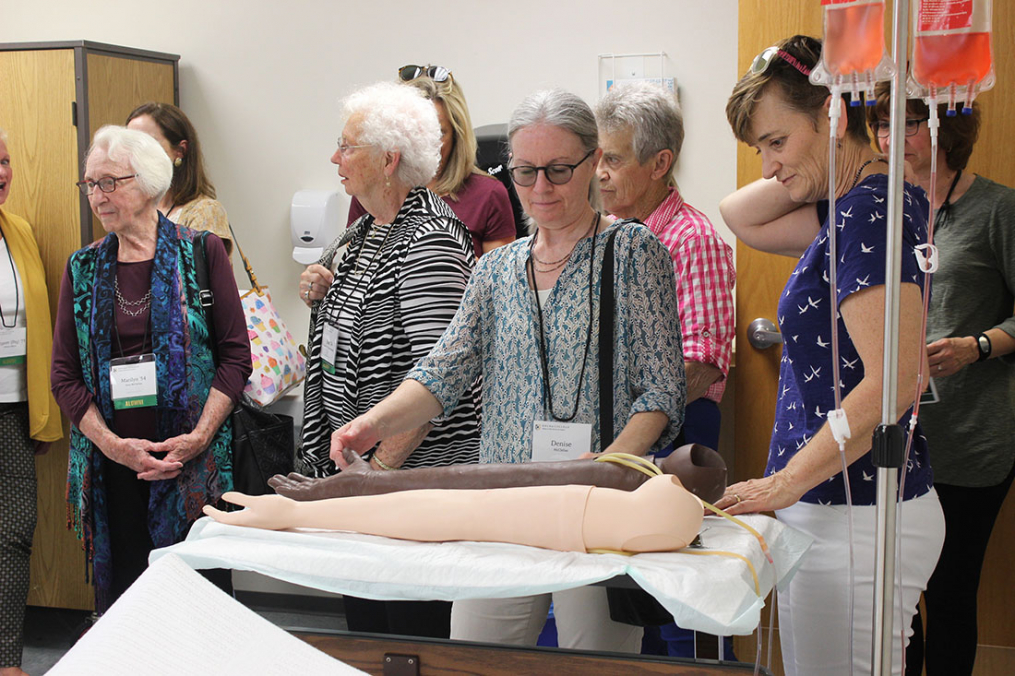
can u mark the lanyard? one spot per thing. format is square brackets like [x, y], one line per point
[17, 290]
[547, 390]
[362, 274]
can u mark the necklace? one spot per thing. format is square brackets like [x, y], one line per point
[856, 176]
[132, 308]
[550, 266]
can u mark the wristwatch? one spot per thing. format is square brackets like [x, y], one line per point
[984, 346]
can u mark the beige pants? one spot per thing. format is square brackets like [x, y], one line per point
[582, 615]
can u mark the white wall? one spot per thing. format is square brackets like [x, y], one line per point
[261, 81]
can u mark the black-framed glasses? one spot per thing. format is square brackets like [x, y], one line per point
[884, 127]
[435, 73]
[764, 60]
[106, 184]
[557, 174]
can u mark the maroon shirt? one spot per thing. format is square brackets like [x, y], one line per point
[483, 205]
[135, 338]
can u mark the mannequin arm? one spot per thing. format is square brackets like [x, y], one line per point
[660, 516]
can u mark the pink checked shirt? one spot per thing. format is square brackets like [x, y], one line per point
[703, 264]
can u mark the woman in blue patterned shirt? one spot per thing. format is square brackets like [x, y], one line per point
[776, 110]
[527, 323]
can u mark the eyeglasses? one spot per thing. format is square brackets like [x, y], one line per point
[344, 148]
[883, 127]
[106, 184]
[557, 174]
[435, 73]
[764, 60]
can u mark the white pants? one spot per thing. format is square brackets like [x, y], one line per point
[582, 615]
[813, 611]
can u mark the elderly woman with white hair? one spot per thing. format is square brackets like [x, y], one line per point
[134, 370]
[529, 323]
[387, 298]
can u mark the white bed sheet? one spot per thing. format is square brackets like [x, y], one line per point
[172, 621]
[714, 594]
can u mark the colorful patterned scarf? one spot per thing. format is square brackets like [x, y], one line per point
[184, 368]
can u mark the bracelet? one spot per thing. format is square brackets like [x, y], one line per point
[383, 465]
[984, 354]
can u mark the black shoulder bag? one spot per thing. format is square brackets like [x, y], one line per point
[630, 606]
[263, 443]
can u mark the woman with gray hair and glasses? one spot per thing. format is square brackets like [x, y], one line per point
[527, 324]
[134, 369]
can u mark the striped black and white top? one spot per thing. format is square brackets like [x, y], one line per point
[396, 289]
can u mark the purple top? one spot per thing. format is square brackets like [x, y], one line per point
[483, 205]
[135, 338]
[805, 375]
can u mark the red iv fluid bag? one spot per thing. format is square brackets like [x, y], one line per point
[952, 50]
[853, 55]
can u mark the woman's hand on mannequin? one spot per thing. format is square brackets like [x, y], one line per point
[773, 492]
[314, 283]
[272, 512]
[359, 435]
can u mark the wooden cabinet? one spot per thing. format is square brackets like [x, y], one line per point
[53, 96]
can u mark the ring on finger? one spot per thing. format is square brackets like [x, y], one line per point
[736, 496]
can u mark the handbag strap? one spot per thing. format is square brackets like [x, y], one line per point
[246, 262]
[606, 311]
[205, 293]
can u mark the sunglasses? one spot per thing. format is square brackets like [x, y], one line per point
[764, 60]
[435, 73]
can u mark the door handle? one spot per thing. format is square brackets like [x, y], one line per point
[763, 333]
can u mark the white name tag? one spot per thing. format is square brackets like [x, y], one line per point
[13, 346]
[132, 381]
[553, 440]
[329, 346]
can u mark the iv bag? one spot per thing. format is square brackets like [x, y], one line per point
[952, 52]
[853, 54]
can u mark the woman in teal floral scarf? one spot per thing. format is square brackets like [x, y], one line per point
[134, 370]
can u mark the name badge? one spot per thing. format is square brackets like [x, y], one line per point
[13, 346]
[132, 381]
[553, 440]
[329, 346]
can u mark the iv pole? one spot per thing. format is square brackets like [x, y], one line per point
[889, 437]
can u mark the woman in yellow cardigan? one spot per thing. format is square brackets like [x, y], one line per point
[29, 417]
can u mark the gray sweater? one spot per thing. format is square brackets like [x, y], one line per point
[971, 432]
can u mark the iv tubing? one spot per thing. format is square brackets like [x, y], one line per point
[834, 114]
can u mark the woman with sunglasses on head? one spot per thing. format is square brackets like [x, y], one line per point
[395, 288]
[480, 201]
[775, 109]
[190, 200]
[135, 371]
[528, 323]
[29, 417]
[969, 322]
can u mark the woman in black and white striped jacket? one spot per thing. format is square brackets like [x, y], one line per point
[380, 298]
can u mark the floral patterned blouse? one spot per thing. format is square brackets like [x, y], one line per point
[496, 333]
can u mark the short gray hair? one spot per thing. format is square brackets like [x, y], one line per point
[652, 114]
[3, 135]
[399, 119]
[147, 159]
[559, 108]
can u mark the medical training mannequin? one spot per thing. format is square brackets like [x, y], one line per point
[700, 470]
[661, 515]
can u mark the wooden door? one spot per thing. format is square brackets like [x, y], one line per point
[119, 84]
[760, 279]
[37, 90]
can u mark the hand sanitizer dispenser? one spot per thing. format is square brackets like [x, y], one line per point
[316, 220]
